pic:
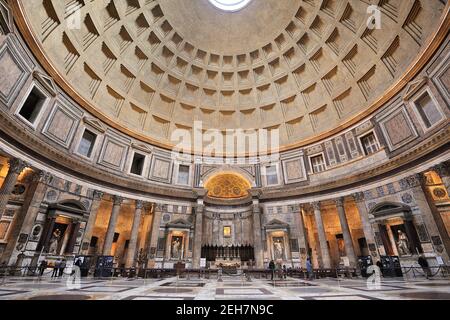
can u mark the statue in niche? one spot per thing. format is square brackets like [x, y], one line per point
[403, 244]
[176, 248]
[54, 242]
[278, 248]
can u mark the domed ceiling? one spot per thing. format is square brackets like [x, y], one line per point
[149, 67]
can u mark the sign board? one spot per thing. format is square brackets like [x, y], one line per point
[203, 263]
[346, 261]
[440, 261]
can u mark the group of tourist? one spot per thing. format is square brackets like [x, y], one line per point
[283, 270]
[58, 268]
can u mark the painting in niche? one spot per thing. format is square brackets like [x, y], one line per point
[341, 245]
[227, 232]
[278, 248]
[176, 247]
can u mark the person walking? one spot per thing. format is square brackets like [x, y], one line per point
[56, 268]
[309, 269]
[425, 266]
[272, 268]
[62, 267]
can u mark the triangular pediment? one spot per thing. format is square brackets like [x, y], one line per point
[180, 224]
[46, 81]
[413, 87]
[142, 147]
[96, 124]
[276, 224]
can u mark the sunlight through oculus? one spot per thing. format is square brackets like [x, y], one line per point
[230, 5]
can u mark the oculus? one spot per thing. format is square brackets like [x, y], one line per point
[230, 5]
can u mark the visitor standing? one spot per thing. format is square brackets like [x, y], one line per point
[309, 269]
[425, 266]
[62, 267]
[272, 268]
[42, 267]
[56, 268]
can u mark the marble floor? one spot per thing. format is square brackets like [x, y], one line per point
[229, 289]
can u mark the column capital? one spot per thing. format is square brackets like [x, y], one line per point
[139, 204]
[16, 165]
[316, 205]
[98, 195]
[339, 202]
[118, 200]
[358, 196]
[42, 176]
[442, 169]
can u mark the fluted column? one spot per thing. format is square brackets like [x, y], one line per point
[198, 234]
[349, 249]
[16, 166]
[154, 234]
[89, 229]
[365, 221]
[300, 223]
[131, 253]
[325, 252]
[257, 234]
[24, 222]
[432, 218]
[109, 238]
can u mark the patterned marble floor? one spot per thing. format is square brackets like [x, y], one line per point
[229, 289]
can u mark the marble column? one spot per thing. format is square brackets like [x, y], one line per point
[89, 229]
[198, 234]
[365, 221]
[73, 238]
[16, 166]
[130, 261]
[325, 252]
[154, 234]
[24, 222]
[109, 238]
[443, 170]
[349, 248]
[303, 242]
[432, 218]
[257, 234]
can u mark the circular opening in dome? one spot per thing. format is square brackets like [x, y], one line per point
[230, 5]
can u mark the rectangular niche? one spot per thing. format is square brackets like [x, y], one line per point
[32, 106]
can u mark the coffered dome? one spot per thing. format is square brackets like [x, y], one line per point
[149, 67]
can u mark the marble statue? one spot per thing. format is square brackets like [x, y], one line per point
[278, 249]
[54, 242]
[176, 249]
[403, 243]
